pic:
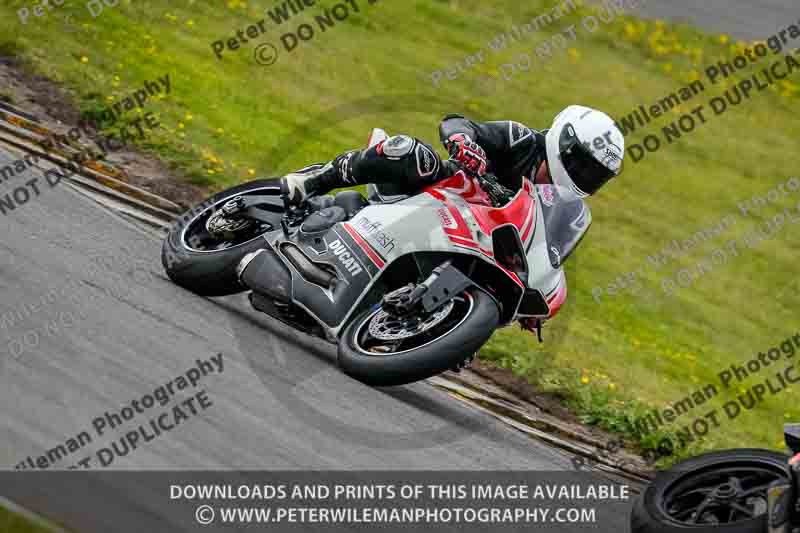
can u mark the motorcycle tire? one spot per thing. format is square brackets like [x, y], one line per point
[456, 343]
[210, 273]
[650, 514]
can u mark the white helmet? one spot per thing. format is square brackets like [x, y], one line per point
[585, 149]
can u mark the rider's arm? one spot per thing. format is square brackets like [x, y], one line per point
[511, 148]
[501, 137]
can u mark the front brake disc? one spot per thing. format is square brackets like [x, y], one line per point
[387, 327]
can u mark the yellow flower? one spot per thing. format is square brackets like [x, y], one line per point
[220, 131]
[612, 386]
[84, 59]
[724, 39]
[667, 67]
[190, 23]
[188, 117]
[631, 33]
[585, 380]
[180, 125]
[251, 172]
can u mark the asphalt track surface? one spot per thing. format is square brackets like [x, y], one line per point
[124, 330]
[744, 19]
[279, 402]
[119, 329]
[97, 325]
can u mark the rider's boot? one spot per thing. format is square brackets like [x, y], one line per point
[318, 179]
[403, 161]
[295, 187]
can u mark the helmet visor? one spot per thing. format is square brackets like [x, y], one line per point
[587, 173]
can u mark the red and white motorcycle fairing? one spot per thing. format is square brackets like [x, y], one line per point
[455, 215]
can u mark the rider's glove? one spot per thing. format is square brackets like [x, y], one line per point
[468, 153]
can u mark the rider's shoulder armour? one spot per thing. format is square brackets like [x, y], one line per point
[398, 146]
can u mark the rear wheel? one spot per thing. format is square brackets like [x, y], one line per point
[206, 264]
[380, 349]
[721, 492]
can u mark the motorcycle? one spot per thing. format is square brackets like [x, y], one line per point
[408, 286]
[731, 491]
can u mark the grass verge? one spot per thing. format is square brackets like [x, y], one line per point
[14, 523]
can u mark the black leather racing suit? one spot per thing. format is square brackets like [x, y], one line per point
[512, 149]
[404, 165]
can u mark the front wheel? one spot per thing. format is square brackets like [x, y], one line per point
[206, 264]
[720, 492]
[383, 350]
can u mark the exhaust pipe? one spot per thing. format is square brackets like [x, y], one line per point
[263, 272]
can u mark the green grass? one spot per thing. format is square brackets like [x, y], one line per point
[226, 121]
[13, 523]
